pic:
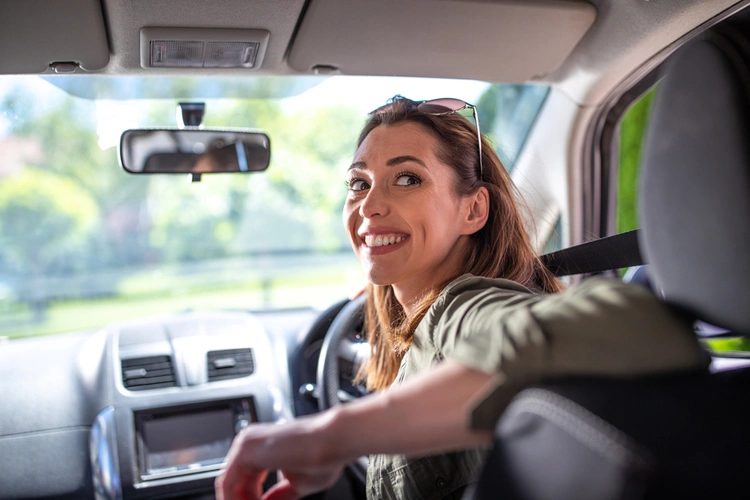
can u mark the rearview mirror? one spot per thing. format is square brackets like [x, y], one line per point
[196, 151]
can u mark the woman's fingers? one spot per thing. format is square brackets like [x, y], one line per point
[241, 480]
[303, 481]
[282, 490]
[237, 485]
[300, 449]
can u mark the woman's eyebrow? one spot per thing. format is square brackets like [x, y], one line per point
[403, 159]
[398, 160]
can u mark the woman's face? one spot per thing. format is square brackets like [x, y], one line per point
[407, 225]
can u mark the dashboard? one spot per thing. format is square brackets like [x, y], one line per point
[145, 408]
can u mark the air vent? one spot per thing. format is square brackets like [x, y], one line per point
[142, 374]
[230, 363]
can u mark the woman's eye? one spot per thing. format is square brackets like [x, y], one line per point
[357, 185]
[408, 180]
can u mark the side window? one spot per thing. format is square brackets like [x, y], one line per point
[555, 241]
[632, 136]
[507, 113]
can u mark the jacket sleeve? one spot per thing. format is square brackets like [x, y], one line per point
[599, 327]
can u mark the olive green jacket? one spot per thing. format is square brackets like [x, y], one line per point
[599, 327]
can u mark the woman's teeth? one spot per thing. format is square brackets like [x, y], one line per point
[382, 240]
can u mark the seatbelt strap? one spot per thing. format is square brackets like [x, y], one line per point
[612, 252]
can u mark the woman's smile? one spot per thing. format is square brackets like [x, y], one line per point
[382, 240]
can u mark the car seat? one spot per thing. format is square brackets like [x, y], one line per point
[684, 434]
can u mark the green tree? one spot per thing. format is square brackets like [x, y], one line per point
[42, 216]
[66, 132]
[45, 223]
[632, 134]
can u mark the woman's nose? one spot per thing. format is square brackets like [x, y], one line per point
[374, 204]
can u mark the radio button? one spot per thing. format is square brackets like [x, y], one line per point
[241, 424]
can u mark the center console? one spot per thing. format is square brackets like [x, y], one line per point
[183, 387]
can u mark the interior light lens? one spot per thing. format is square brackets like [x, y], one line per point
[176, 54]
[230, 54]
[199, 54]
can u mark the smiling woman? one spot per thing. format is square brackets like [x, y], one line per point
[427, 203]
[422, 171]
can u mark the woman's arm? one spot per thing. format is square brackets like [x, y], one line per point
[427, 414]
[600, 327]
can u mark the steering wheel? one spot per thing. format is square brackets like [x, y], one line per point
[343, 351]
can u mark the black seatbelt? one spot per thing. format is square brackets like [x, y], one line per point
[612, 252]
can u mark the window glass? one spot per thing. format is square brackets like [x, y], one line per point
[82, 243]
[632, 135]
[554, 242]
[507, 113]
[729, 346]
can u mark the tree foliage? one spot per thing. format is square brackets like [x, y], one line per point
[45, 218]
[135, 220]
[632, 135]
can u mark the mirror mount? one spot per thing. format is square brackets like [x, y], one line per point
[190, 114]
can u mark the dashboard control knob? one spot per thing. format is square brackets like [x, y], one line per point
[241, 424]
[309, 391]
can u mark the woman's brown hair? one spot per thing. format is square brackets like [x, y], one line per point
[501, 249]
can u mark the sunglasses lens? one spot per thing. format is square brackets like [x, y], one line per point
[438, 106]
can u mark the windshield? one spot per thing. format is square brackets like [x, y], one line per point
[83, 243]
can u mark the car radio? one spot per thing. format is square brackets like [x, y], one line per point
[186, 439]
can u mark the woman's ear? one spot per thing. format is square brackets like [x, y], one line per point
[477, 210]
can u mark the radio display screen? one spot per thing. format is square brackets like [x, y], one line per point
[185, 441]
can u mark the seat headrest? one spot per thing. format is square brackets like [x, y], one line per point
[695, 182]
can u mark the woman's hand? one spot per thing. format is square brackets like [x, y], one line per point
[299, 450]
[427, 414]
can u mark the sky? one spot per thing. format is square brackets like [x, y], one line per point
[368, 93]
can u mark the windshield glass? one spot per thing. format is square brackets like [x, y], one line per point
[83, 243]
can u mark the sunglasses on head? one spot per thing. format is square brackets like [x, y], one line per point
[439, 107]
